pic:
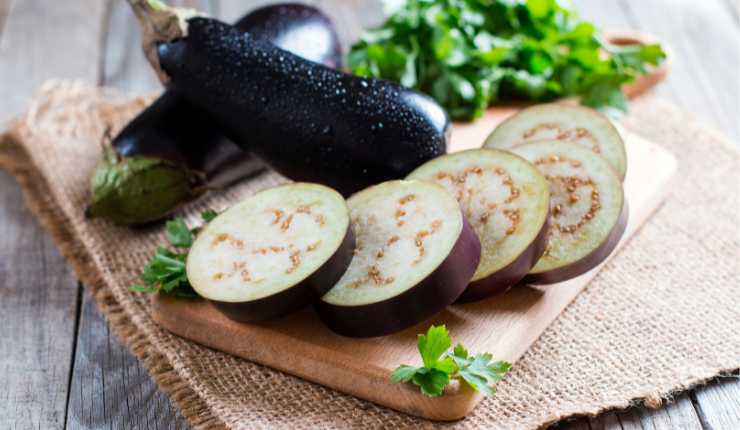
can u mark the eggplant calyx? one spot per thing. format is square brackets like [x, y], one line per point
[138, 190]
[160, 23]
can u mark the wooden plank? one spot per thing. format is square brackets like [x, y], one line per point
[110, 387]
[39, 296]
[679, 413]
[38, 301]
[33, 49]
[703, 36]
[718, 403]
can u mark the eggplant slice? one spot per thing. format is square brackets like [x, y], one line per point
[507, 201]
[577, 124]
[273, 253]
[415, 254]
[588, 212]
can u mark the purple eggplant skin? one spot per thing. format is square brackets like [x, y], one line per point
[298, 296]
[296, 28]
[434, 293]
[173, 151]
[505, 278]
[307, 121]
[587, 263]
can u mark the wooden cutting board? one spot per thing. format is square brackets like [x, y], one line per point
[504, 325]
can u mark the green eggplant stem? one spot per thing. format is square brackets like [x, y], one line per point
[138, 190]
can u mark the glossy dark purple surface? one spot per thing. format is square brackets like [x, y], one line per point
[307, 121]
[177, 131]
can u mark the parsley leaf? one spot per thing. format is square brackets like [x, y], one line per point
[165, 271]
[404, 373]
[178, 233]
[469, 54]
[436, 342]
[478, 371]
[440, 366]
[432, 382]
[208, 215]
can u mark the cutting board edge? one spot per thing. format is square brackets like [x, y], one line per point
[369, 382]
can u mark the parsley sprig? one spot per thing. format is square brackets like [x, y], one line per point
[467, 54]
[165, 271]
[440, 366]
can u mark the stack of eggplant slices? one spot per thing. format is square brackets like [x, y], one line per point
[540, 203]
[382, 229]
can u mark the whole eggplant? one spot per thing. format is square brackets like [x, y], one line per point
[173, 151]
[307, 121]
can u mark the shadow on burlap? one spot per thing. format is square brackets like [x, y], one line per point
[661, 317]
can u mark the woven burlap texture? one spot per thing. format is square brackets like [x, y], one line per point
[661, 317]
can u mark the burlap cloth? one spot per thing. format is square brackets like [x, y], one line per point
[663, 316]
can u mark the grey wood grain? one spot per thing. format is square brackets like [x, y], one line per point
[33, 49]
[38, 293]
[678, 414]
[38, 302]
[705, 37]
[110, 388]
[718, 404]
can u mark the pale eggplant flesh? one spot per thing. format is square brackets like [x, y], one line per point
[586, 264]
[296, 298]
[588, 210]
[415, 255]
[274, 253]
[569, 123]
[506, 200]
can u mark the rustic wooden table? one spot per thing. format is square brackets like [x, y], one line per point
[59, 364]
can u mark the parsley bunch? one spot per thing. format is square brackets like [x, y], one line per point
[166, 269]
[440, 366]
[467, 54]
